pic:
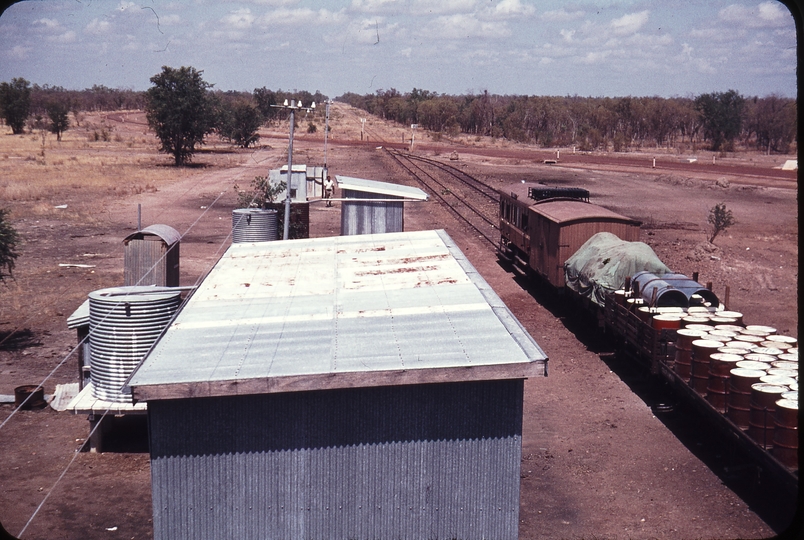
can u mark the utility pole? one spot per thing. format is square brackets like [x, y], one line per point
[293, 107]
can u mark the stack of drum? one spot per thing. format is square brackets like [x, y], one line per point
[749, 373]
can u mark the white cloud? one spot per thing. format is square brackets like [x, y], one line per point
[512, 7]
[561, 15]
[65, 37]
[766, 14]
[241, 18]
[462, 26]
[300, 17]
[19, 52]
[630, 23]
[567, 34]
[97, 27]
[374, 6]
[47, 23]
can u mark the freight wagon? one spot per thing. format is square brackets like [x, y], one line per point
[677, 328]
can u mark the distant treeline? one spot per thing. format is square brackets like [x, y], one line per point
[721, 121]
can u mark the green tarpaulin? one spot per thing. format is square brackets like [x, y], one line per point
[600, 266]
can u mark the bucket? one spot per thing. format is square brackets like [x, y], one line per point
[35, 396]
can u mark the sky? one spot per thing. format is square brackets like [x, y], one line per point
[517, 47]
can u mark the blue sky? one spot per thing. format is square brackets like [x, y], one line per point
[533, 47]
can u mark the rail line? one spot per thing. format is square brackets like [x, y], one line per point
[453, 188]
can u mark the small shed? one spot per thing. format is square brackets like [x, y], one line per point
[348, 387]
[152, 257]
[298, 182]
[558, 228]
[378, 207]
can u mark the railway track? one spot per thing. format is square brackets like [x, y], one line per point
[471, 201]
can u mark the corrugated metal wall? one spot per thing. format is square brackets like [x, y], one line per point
[361, 217]
[426, 461]
[145, 263]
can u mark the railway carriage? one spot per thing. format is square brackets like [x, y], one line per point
[541, 227]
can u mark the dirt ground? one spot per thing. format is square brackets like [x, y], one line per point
[597, 462]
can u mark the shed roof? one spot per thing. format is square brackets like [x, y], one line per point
[381, 188]
[566, 211]
[167, 233]
[340, 312]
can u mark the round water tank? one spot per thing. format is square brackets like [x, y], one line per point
[253, 225]
[124, 322]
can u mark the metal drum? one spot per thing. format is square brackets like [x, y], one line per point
[746, 346]
[778, 380]
[785, 364]
[763, 406]
[739, 397]
[785, 433]
[730, 327]
[694, 319]
[721, 335]
[789, 373]
[683, 344]
[702, 349]
[666, 322]
[751, 364]
[720, 367]
[779, 338]
[770, 351]
[124, 322]
[758, 357]
[735, 315]
[756, 340]
[776, 345]
[759, 330]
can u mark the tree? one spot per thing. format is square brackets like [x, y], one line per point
[15, 102]
[180, 111]
[721, 116]
[239, 123]
[8, 245]
[720, 218]
[58, 112]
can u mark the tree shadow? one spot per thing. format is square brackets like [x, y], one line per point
[16, 340]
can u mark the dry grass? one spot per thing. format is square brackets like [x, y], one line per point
[98, 161]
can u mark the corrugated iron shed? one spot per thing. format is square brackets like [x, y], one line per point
[375, 187]
[326, 313]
